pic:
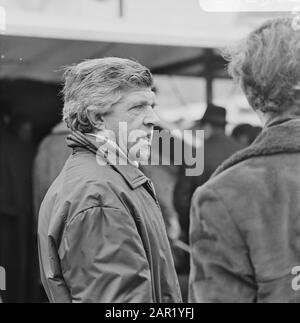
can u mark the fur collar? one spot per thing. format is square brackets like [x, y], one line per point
[282, 138]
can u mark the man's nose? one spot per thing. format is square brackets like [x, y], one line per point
[151, 118]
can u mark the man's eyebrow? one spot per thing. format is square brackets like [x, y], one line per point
[143, 102]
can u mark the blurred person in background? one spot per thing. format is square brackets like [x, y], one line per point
[245, 222]
[4, 122]
[5, 114]
[15, 210]
[22, 128]
[51, 157]
[101, 233]
[245, 134]
[217, 148]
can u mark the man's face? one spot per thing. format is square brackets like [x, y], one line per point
[132, 120]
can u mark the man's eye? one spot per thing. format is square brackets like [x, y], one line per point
[141, 106]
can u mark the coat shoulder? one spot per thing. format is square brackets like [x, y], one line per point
[87, 173]
[256, 170]
[256, 183]
[83, 184]
[237, 177]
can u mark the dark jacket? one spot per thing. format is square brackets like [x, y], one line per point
[245, 223]
[102, 237]
[216, 150]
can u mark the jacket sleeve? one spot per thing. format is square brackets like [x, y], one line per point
[221, 270]
[103, 259]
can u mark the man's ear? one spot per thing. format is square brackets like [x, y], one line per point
[95, 118]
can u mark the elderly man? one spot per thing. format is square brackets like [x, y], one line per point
[246, 220]
[101, 233]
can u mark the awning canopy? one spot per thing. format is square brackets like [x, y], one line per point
[44, 58]
[170, 37]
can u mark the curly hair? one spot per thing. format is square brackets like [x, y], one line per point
[267, 66]
[99, 83]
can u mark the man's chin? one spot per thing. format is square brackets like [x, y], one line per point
[144, 160]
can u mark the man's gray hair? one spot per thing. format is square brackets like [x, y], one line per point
[267, 66]
[99, 83]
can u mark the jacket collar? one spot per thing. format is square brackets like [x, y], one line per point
[280, 137]
[131, 174]
[110, 149]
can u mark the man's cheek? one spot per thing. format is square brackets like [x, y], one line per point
[140, 152]
[130, 146]
[151, 137]
[136, 135]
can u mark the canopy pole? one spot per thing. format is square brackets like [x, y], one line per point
[121, 8]
[209, 75]
[209, 90]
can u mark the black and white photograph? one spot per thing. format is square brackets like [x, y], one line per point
[149, 154]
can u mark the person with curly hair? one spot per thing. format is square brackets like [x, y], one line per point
[245, 222]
